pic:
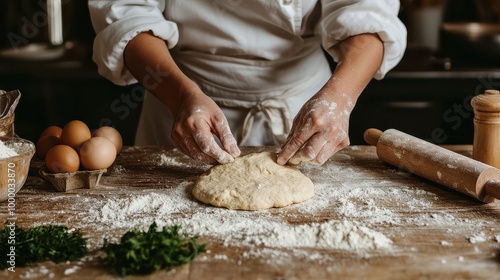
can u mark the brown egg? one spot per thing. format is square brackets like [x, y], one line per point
[97, 153]
[111, 134]
[74, 133]
[52, 130]
[62, 158]
[45, 143]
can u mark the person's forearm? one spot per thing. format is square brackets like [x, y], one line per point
[197, 118]
[361, 57]
[148, 59]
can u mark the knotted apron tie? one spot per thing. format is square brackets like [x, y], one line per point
[275, 110]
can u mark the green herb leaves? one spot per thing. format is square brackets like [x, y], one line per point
[146, 252]
[138, 252]
[42, 243]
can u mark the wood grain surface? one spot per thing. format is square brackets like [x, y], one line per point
[436, 233]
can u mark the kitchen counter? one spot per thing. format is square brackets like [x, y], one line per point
[414, 229]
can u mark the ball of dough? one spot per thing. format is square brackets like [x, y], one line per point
[253, 182]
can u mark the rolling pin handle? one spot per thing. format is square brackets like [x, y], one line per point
[492, 188]
[372, 135]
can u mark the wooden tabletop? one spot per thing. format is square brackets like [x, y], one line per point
[427, 231]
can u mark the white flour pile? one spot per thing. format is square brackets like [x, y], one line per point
[233, 227]
[5, 151]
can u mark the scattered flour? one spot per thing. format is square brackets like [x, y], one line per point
[71, 270]
[178, 160]
[477, 238]
[5, 151]
[248, 228]
[41, 272]
[169, 161]
[117, 169]
[445, 243]
[356, 210]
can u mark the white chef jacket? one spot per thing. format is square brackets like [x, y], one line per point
[260, 60]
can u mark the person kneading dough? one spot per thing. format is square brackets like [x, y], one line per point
[223, 74]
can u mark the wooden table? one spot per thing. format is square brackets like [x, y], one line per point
[436, 233]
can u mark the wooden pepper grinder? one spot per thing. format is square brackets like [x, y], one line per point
[486, 146]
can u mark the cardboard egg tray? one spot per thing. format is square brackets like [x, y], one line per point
[86, 179]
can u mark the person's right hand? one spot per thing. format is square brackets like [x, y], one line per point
[197, 119]
[196, 122]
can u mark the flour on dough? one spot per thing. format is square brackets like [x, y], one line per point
[253, 182]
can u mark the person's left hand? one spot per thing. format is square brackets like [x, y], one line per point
[319, 130]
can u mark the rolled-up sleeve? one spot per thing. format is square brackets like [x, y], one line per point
[116, 22]
[342, 19]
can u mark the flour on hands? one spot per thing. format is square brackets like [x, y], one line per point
[194, 129]
[319, 130]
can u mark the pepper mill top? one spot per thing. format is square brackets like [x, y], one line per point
[489, 101]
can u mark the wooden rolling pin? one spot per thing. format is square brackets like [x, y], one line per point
[435, 163]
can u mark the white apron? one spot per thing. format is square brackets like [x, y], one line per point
[258, 97]
[260, 60]
[255, 120]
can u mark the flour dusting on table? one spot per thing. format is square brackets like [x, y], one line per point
[358, 211]
[236, 228]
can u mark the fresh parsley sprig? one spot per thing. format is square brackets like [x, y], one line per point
[137, 253]
[41, 243]
[146, 252]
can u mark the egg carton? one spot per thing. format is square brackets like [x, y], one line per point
[63, 182]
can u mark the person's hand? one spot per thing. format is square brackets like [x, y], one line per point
[319, 130]
[197, 120]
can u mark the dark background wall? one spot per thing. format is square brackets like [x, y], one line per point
[57, 90]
